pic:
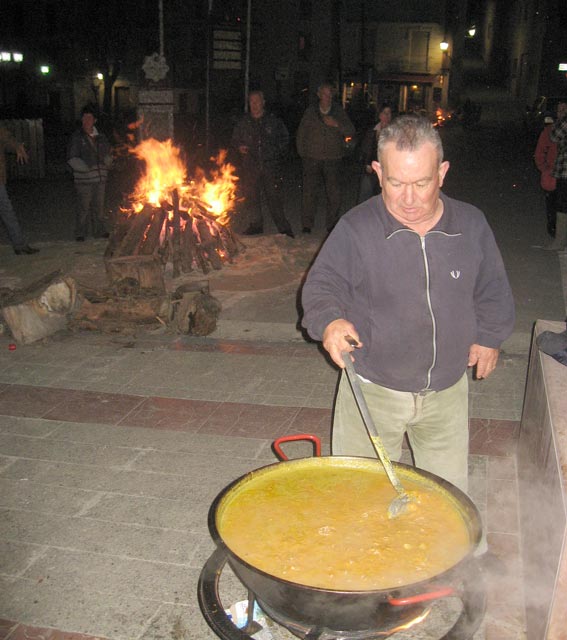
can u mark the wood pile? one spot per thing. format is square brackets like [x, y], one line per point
[40, 309]
[141, 244]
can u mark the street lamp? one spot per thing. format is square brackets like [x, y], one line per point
[444, 46]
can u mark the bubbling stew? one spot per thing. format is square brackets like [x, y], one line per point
[329, 528]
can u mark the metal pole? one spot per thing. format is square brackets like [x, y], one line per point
[247, 63]
[208, 79]
[161, 28]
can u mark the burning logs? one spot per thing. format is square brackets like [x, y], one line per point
[141, 244]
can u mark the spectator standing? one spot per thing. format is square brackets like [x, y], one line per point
[559, 135]
[417, 279]
[321, 146]
[90, 157]
[7, 214]
[369, 185]
[262, 141]
[545, 156]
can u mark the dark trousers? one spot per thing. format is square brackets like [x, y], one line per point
[8, 217]
[270, 184]
[368, 187]
[551, 211]
[90, 218]
[315, 174]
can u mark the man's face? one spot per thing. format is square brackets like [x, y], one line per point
[256, 102]
[385, 116]
[88, 121]
[411, 181]
[325, 97]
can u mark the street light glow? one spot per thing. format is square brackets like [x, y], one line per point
[99, 76]
[472, 31]
[444, 46]
[18, 57]
[44, 69]
[562, 66]
[5, 56]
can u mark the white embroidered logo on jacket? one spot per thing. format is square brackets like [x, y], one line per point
[456, 274]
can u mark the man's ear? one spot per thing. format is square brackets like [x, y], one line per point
[443, 168]
[378, 169]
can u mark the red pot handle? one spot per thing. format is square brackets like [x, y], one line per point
[299, 436]
[442, 592]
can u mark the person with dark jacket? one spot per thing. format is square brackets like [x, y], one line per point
[90, 157]
[416, 278]
[7, 214]
[369, 152]
[261, 141]
[321, 145]
[559, 136]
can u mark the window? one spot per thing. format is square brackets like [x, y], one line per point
[418, 50]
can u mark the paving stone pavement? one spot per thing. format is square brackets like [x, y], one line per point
[113, 448]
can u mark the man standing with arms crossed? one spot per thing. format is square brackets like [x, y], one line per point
[321, 146]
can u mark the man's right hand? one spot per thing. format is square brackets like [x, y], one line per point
[335, 342]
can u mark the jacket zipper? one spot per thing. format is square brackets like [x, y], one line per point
[428, 294]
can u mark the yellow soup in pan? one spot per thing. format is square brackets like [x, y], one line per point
[329, 528]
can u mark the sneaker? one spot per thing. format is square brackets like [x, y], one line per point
[26, 250]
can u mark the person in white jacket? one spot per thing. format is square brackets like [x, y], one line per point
[90, 158]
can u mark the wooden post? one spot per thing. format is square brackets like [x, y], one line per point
[176, 234]
[138, 224]
[151, 241]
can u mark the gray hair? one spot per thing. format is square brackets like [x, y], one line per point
[408, 133]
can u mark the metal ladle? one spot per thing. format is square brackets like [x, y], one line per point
[400, 503]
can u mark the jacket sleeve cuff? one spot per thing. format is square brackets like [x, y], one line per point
[488, 340]
[316, 327]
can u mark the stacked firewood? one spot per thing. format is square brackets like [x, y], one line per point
[141, 244]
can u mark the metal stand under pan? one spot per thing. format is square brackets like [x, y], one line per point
[469, 614]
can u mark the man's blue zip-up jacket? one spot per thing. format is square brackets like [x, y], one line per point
[417, 303]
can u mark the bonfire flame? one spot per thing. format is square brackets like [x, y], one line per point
[165, 172]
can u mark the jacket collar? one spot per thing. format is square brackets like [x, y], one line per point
[448, 223]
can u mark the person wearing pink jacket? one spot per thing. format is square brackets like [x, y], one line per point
[545, 156]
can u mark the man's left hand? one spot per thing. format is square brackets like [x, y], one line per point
[21, 154]
[484, 358]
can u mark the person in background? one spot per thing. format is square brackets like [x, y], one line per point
[558, 135]
[321, 145]
[544, 156]
[7, 214]
[368, 152]
[416, 278]
[90, 157]
[262, 141]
